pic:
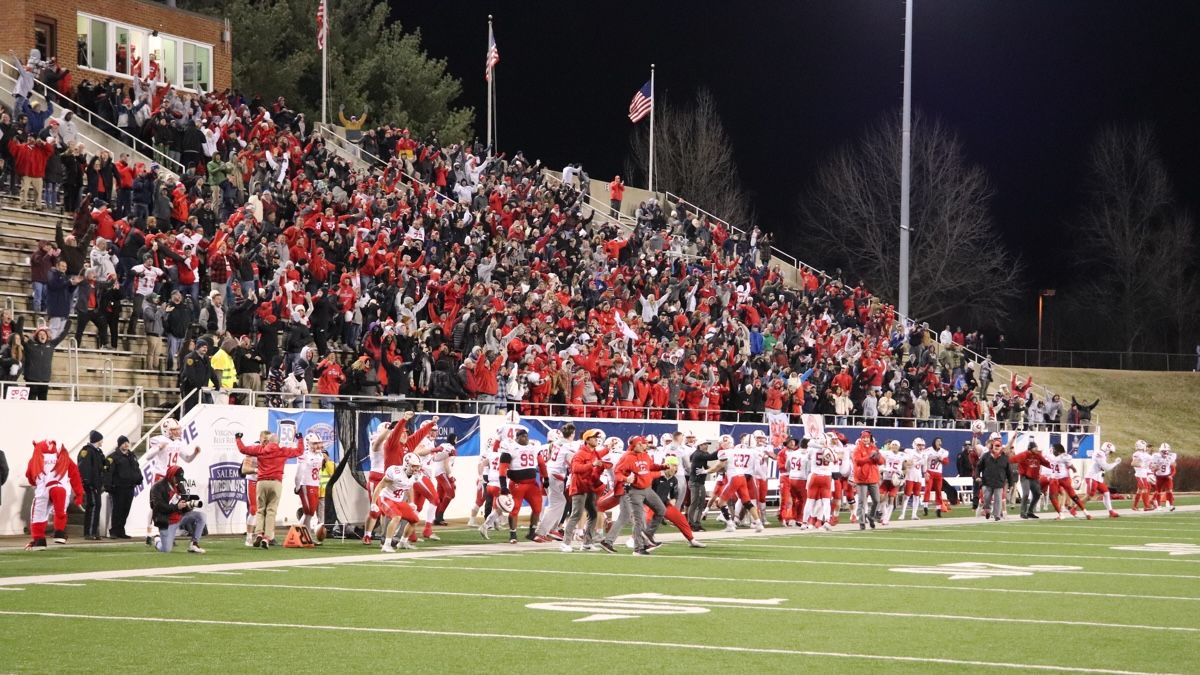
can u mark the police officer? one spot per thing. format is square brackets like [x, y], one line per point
[122, 476]
[91, 472]
[697, 476]
[195, 373]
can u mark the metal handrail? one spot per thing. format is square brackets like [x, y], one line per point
[1082, 358]
[72, 365]
[108, 127]
[601, 212]
[595, 204]
[107, 373]
[1047, 393]
[341, 143]
[135, 398]
[170, 414]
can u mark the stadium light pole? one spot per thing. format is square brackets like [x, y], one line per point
[1042, 295]
[905, 158]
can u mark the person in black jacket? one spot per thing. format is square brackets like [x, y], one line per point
[993, 476]
[91, 472]
[196, 372]
[122, 476]
[179, 319]
[697, 477]
[3, 470]
[171, 513]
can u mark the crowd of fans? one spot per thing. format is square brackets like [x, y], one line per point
[444, 273]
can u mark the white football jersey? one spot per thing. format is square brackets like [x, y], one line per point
[1163, 464]
[739, 460]
[893, 464]
[934, 459]
[916, 464]
[824, 462]
[523, 457]
[1060, 466]
[797, 464]
[376, 454]
[164, 453]
[1099, 465]
[493, 465]
[1141, 464]
[762, 467]
[308, 468]
[400, 481]
[435, 462]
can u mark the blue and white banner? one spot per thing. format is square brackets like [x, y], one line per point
[293, 424]
[463, 428]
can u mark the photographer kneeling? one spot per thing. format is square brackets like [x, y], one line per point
[174, 509]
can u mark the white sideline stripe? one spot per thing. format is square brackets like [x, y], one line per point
[62, 583]
[747, 604]
[1004, 554]
[176, 576]
[449, 550]
[10, 588]
[267, 569]
[840, 563]
[1009, 542]
[582, 640]
[231, 574]
[808, 582]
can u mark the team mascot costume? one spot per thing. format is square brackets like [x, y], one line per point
[50, 473]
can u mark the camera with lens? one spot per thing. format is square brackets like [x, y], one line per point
[186, 496]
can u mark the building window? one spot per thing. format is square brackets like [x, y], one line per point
[45, 36]
[131, 51]
[93, 43]
[196, 60]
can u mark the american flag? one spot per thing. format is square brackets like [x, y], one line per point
[641, 104]
[321, 25]
[493, 56]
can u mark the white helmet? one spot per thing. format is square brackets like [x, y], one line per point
[512, 417]
[978, 426]
[1164, 448]
[726, 441]
[918, 442]
[447, 447]
[505, 503]
[614, 444]
[312, 441]
[412, 462]
[554, 436]
[894, 445]
[1108, 447]
[1141, 446]
[758, 433]
[666, 439]
[170, 424]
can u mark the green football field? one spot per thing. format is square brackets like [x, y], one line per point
[950, 595]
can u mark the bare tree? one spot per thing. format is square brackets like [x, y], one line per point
[692, 157]
[1135, 244]
[958, 265]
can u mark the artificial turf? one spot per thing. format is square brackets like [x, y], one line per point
[839, 599]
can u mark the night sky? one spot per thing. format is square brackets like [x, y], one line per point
[1026, 83]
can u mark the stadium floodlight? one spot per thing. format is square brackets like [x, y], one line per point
[905, 159]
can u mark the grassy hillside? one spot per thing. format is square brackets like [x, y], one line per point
[1153, 406]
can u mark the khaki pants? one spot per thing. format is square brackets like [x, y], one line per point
[269, 492]
[34, 185]
[154, 352]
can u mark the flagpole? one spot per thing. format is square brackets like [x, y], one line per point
[652, 106]
[325, 66]
[490, 91]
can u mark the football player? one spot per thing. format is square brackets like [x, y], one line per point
[1097, 467]
[738, 463]
[1060, 483]
[820, 484]
[1163, 464]
[935, 458]
[892, 479]
[394, 495]
[914, 476]
[308, 480]
[523, 475]
[562, 449]
[1142, 474]
[163, 452]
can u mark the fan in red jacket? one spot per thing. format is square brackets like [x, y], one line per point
[51, 472]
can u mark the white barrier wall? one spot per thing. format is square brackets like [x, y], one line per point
[69, 423]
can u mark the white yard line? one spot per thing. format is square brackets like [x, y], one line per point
[230, 574]
[806, 582]
[373, 556]
[60, 583]
[841, 563]
[746, 604]
[583, 640]
[1001, 554]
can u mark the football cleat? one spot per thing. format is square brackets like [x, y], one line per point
[827, 527]
[36, 545]
[407, 545]
[483, 531]
[758, 526]
[696, 544]
[1113, 514]
[730, 527]
[195, 548]
[432, 537]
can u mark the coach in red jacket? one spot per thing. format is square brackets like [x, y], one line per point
[586, 468]
[636, 471]
[1029, 465]
[866, 475]
[271, 459]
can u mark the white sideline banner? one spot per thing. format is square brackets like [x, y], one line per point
[26, 422]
